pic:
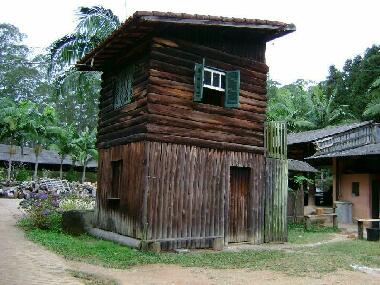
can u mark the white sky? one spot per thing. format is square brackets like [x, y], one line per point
[328, 31]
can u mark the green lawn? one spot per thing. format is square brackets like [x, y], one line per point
[298, 235]
[304, 261]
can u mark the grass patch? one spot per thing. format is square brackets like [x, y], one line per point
[298, 235]
[90, 279]
[302, 262]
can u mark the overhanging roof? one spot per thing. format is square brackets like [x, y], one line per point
[300, 166]
[369, 149]
[311, 136]
[143, 23]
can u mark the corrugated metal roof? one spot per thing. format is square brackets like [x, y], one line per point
[311, 136]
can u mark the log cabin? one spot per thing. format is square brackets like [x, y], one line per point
[181, 129]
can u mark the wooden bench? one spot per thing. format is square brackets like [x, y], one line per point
[308, 219]
[361, 225]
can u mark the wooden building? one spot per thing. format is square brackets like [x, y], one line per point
[181, 129]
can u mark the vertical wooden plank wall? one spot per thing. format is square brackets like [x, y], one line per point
[125, 218]
[276, 200]
[276, 178]
[188, 190]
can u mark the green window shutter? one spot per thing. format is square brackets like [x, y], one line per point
[231, 98]
[198, 82]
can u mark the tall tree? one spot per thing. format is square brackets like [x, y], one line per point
[352, 83]
[15, 123]
[94, 25]
[372, 110]
[41, 130]
[19, 75]
[306, 108]
[64, 144]
[85, 149]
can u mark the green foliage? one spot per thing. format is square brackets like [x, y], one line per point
[76, 98]
[94, 25]
[3, 175]
[22, 174]
[297, 234]
[372, 110]
[354, 82]
[85, 149]
[305, 108]
[72, 175]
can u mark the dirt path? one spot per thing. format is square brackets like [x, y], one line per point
[23, 262]
[173, 274]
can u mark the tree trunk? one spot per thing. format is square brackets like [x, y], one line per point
[9, 168]
[12, 151]
[35, 169]
[60, 169]
[84, 173]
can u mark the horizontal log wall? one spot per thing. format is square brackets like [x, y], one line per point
[117, 126]
[188, 190]
[124, 218]
[172, 110]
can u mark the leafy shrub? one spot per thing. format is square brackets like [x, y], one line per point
[23, 174]
[43, 211]
[3, 174]
[72, 175]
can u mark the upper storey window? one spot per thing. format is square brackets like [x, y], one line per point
[122, 92]
[216, 87]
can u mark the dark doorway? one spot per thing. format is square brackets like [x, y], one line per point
[238, 204]
[375, 201]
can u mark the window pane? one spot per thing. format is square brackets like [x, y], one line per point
[207, 78]
[215, 79]
[223, 82]
[355, 189]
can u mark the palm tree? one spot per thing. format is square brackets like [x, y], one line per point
[14, 125]
[306, 110]
[322, 110]
[64, 144]
[85, 149]
[94, 25]
[42, 129]
[372, 110]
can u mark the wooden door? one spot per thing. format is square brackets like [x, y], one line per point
[238, 204]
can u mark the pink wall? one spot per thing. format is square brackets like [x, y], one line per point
[361, 203]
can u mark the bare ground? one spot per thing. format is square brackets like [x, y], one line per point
[23, 262]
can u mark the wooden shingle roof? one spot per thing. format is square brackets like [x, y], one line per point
[143, 24]
[314, 135]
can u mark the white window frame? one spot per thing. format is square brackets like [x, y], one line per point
[213, 71]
